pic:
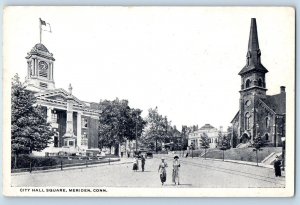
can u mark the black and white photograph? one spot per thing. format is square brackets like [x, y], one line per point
[149, 101]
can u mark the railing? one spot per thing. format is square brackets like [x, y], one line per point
[62, 165]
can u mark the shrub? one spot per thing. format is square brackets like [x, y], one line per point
[23, 161]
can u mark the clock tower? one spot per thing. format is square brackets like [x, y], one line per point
[253, 87]
[39, 69]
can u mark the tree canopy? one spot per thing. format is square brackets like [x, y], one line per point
[224, 141]
[30, 130]
[118, 122]
[156, 130]
[204, 141]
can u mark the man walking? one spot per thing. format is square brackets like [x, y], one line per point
[143, 162]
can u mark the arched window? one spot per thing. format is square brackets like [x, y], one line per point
[247, 83]
[260, 82]
[267, 122]
[247, 121]
[266, 137]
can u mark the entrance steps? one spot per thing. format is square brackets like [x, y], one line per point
[271, 158]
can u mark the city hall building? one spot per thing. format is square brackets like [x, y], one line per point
[75, 122]
[259, 114]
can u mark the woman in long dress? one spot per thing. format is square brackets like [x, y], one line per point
[175, 175]
[135, 164]
[162, 170]
[277, 167]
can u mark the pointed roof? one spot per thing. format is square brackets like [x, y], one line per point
[253, 44]
[253, 54]
[40, 50]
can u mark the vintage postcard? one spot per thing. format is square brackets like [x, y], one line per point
[149, 101]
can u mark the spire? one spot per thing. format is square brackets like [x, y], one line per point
[70, 89]
[253, 53]
[253, 38]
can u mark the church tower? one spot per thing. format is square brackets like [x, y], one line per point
[253, 86]
[39, 69]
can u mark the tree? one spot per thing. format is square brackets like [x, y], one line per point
[184, 136]
[156, 130]
[118, 122]
[204, 142]
[224, 143]
[29, 128]
[258, 143]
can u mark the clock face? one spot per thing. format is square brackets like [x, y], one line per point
[248, 103]
[43, 65]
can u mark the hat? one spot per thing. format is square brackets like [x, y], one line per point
[176, 157]
[162, 158]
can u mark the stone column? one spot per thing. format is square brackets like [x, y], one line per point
[79, 129]
[49, 120]
[49, 114]
[69, 117]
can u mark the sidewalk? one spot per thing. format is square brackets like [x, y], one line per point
[243, 162]
[232, 161]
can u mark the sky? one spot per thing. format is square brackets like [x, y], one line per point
[184, 60]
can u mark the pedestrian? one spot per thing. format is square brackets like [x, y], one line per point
[163, 172]
[187, 154]
[143, 160]
[175, 174]
[135, 164]
[277, 167]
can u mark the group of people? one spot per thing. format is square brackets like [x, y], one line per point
[136, 163]
[162, 169]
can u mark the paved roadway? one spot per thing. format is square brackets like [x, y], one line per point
[195, 172]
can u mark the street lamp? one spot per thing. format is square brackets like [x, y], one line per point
[283, 152]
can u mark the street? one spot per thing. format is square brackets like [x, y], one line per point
[194, 172]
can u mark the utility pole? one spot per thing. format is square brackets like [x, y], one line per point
[136, 140]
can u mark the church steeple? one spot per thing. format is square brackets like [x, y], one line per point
[253, 62]
[253, 73]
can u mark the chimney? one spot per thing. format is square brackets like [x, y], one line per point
[282, 89]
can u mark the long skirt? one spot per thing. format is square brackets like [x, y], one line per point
[277, 171]
[135, 166]
[163, 176]
[175, 175]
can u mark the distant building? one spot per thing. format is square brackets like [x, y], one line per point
[259, 114]
[74, 121]
[212, 133]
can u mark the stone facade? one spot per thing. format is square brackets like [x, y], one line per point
[259, 114]
[74, 121]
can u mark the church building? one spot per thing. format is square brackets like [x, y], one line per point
[74, 121]
[259, 114]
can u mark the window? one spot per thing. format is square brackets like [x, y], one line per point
[267, 122]
[84, 139]
[247, 83]
[44, 85]
[247, 121]
[71, 143]
[84, 122]
[260, 82]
